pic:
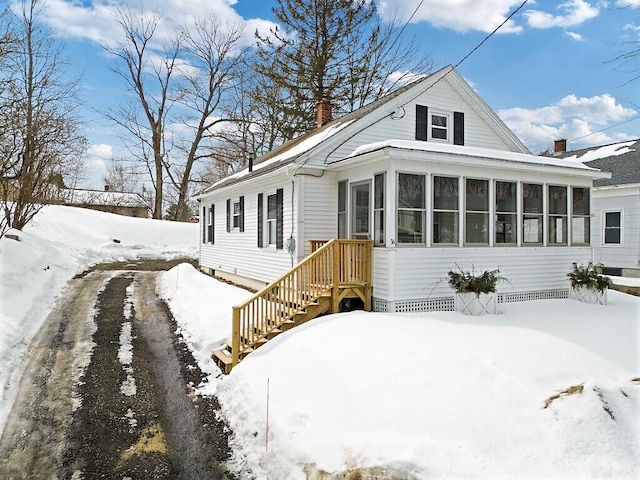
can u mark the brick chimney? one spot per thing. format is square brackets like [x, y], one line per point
[106, 188]
[323, 112]
[560, 145]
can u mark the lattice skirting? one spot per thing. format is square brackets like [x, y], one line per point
[447, 304]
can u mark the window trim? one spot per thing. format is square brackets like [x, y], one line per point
[620, 228]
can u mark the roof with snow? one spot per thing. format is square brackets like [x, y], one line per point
[100, 197]
[290, 151]
[621, 159]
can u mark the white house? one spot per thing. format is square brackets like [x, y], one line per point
[432, 176]
[615, 230]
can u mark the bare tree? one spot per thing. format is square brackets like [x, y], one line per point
[122, 176]
[213, 59]
[148, 75]
[39, 139]
[335, 50]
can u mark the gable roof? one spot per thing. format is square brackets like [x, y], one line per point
[299, 147]
[622, 159]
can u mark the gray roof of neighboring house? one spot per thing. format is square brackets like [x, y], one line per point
[621, 159]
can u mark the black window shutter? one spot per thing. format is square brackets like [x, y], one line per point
[458, 128]
[241, 220]
[422, 115]
[213, 222]
[260, 220]
[204, 224]
[279, 215]
[228, 215]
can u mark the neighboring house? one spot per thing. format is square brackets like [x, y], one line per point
[615, 207]
[432, 176]
[122, 203]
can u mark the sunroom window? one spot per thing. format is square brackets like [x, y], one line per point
[580, 213]
[506, 213]
[378, 209]
[411, 208]
[477, 211]
[445, 210]
[532, 213]
[557, 215]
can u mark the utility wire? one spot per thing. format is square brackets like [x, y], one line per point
[604, 129]
[492, 33]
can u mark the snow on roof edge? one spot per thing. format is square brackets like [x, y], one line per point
[469, 151]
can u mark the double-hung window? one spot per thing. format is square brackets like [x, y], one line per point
[211, 221]
[476, 211]
[558, 222]
[532, 213]
[236, 214]
[612, 234]
[439, 127]
[272, 212]
[506, 213]
[445, 210]
[411, 208]
[580, 213]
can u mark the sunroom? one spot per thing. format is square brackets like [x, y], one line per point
[433, 208]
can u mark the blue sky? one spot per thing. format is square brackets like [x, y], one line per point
[548, 72]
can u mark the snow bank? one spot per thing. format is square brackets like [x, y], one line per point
[202, 306]
[59, 243]
[436, 394]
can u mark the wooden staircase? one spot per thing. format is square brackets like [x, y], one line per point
[335, 270]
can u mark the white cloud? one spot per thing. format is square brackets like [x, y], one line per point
[628, 3]
[575, 36]
[459, 15]
[575, 12]
[571, 118]
[98, 155]
[94, 19]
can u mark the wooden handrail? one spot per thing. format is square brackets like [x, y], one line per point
[290, 294]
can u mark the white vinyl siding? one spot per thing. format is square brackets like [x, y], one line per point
[237, 253]
[440, 98]
[420, 273]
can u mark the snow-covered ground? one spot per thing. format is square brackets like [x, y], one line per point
[546, 389]
[60, 243]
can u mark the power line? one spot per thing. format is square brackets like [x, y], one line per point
[604, 129]
[491, 34]
[468, 54]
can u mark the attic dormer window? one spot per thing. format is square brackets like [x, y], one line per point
[439, 126]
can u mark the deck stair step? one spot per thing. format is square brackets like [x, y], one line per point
[335, 270]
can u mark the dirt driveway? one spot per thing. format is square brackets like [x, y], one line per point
[108, 390]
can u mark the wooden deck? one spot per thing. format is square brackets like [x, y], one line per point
[335, 270]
